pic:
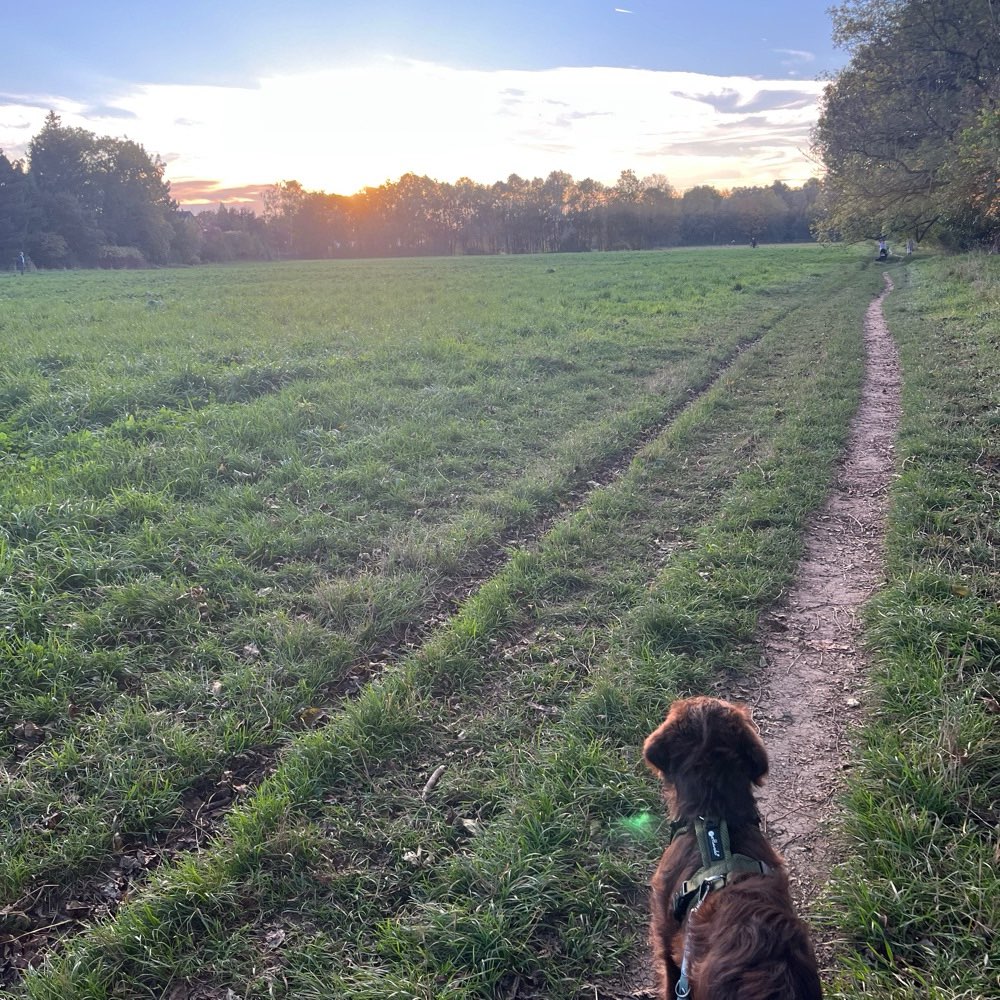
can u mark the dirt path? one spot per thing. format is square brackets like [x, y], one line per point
[812, 684]
[810, 688]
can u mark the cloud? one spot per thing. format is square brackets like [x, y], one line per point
[22, 101]
[342, 129]
[762, 129]
[795, 59]
[797, 56]
[734, 102]
[109, 111]
[213, 192]
[744, 148]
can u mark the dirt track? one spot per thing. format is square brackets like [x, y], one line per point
[813, 681]
[810, 689]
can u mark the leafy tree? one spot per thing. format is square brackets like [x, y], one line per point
[587, 203]
[64, 161]
[63, 166]
[186, 242]
[62, 215]
[700, 215]
[907, 131]
[322, 226]
[282, 202]
[753, 213]
[96, 192]
[135, 204]
[232, 234]
[661, 216]
[18, 208]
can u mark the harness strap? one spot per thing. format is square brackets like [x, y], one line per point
[718, 864]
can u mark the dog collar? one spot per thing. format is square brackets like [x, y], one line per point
[718, 862]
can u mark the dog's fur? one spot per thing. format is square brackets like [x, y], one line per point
[745, 941]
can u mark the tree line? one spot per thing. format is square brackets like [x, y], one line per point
[84, 200]
[420, 216]
[909, 132]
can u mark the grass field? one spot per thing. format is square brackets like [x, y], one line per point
[281, 542]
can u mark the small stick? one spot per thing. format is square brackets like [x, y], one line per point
[432, 781]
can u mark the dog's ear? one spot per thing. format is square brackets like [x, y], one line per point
[750, 747]
[665, 746]
[697, 725]
[658, 748]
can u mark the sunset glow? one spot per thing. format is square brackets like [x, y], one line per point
[340, 130]
[351, 95]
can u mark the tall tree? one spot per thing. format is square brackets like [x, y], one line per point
[18, 208]
[282, 202]
[753, 213]
[97, 191]
[907, 131]
[700, 214]
[135, 205]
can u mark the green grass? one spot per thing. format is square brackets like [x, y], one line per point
[205, 616]
[919, 896]
[244, 509]
[229, 488]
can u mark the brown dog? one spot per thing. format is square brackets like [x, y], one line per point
[721, 910]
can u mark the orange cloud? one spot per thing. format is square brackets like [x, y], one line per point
[206, 193]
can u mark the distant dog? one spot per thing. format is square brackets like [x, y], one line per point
[722, 927]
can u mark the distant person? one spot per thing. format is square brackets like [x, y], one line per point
[753, 242]
[909, 247]
[21, 263]
[883, 249]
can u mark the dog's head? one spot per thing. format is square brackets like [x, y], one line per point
[709, 755]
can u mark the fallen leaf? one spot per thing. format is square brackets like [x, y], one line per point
[312, 716]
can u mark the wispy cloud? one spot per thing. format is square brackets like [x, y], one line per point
[795, 59]
[797, 55]
[342, 129]
[729, 101]
[22, 101]
[100, 111]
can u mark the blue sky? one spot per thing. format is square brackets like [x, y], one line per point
[345, 94]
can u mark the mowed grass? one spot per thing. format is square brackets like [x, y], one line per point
[920, 895]
[231, 488]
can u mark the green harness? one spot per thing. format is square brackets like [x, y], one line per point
[718, 863]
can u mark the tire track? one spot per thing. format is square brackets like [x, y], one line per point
[51, 915]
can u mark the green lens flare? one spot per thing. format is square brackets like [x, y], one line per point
[638, 825]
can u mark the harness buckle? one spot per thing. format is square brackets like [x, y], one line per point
[708, 884]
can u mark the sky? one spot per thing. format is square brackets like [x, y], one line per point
[344, 94]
